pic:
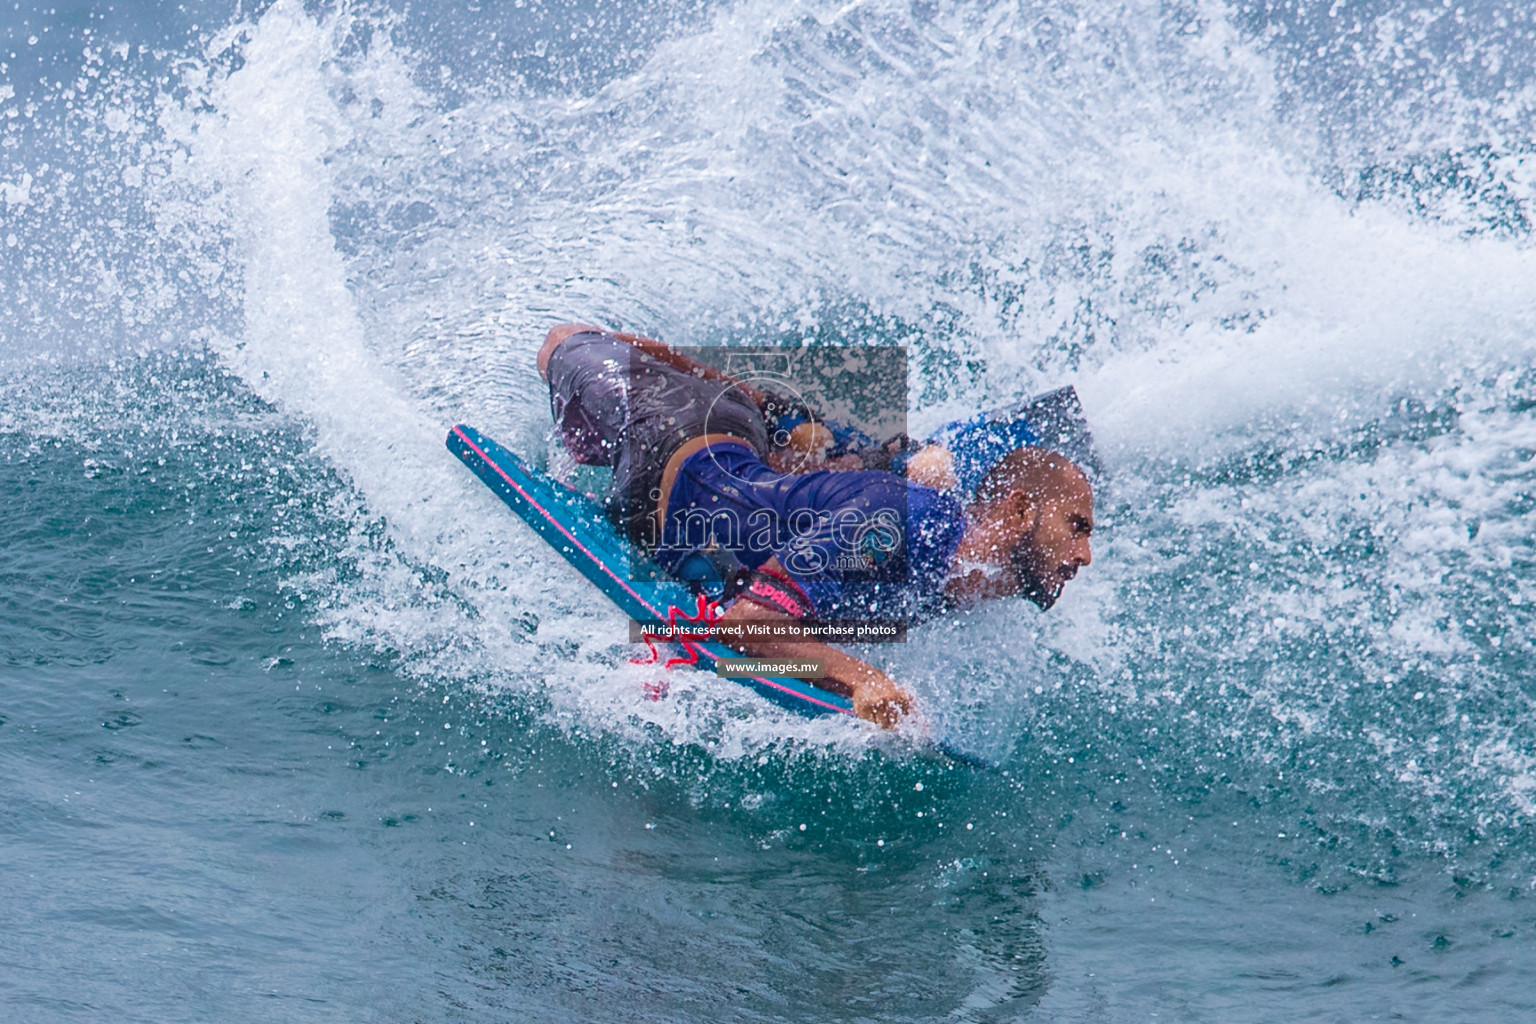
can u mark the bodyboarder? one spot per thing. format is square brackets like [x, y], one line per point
[706, 482]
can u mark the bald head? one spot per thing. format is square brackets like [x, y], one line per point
[1040, 474]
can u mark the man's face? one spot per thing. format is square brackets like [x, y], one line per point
[1055, 542]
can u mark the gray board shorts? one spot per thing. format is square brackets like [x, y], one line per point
[616, 406]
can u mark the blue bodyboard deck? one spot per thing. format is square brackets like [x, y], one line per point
[576, 527]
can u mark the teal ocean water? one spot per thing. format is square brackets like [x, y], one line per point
[298, 723]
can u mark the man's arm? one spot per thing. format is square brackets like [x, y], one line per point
[875, 695]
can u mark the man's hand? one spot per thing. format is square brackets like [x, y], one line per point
[933, 466]
[806, 452]
[875, 695]
[880, 700]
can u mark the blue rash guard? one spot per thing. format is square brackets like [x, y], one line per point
[860, 544]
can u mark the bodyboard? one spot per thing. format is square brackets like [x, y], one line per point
[576, 527]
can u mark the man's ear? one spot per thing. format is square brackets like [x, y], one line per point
[1021, 504]
[1022, 508]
